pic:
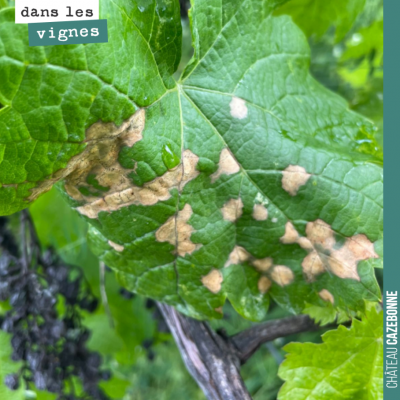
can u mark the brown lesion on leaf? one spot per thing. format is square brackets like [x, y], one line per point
[264, 284]
[213, 281]
[282, 275]
[238, 255]
[177, 232]
[326, 295]
[326, 254]
[148, 194]
[232, 210]
[238, 108]
[263, 264]
[116, 246]
[260, 212]
[340, 259]
[227, 165]
[103, 143]
[96, 178]
[312, 266]
[293, 177]
[291, 235]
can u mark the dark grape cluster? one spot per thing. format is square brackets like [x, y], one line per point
[52, 347]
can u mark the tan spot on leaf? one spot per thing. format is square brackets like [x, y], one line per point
[326, 296]
[282, 275]
[100, 160]
[190, 172]
[232, 210]
[361, 247]
[344, 260]
[237, 256]
[227, 165]
[260, 213]
[103, 143]
[238, 108]
[312, 266]
[263, 264]
[293, 177]
[177, 232]
[130, 131]
[340, 260]
[305, 244]
[264, 284]
[291, 235]
[218, 310]
[320, 233]
[116, 246]
[213, 280]
[123, 192]
[274, 220]
[325, 254]
[147, 197]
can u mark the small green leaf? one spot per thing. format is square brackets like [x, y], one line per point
[3, 4]
[347, 365]
[314, 17]
[326, 314]
[8, 367]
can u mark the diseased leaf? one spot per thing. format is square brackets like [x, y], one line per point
[315, 17]
[323, 371]
[246, 179]
[53, 94]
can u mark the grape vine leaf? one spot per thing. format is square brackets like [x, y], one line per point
[323, 371]
[327, 314]
[368, 40]
[315, 17]
[245, 179]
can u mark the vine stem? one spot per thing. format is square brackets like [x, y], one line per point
[214, 360]
[211, 360]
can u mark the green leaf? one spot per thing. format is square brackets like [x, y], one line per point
[326, 314]
[366, 40]
[315, 17]
[53, 94]
[347, 365]
[245, 180]
[115, 388]
[8, 367]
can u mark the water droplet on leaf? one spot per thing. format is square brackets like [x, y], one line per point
[170, 159]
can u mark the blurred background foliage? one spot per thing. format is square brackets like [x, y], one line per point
[346, 40]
